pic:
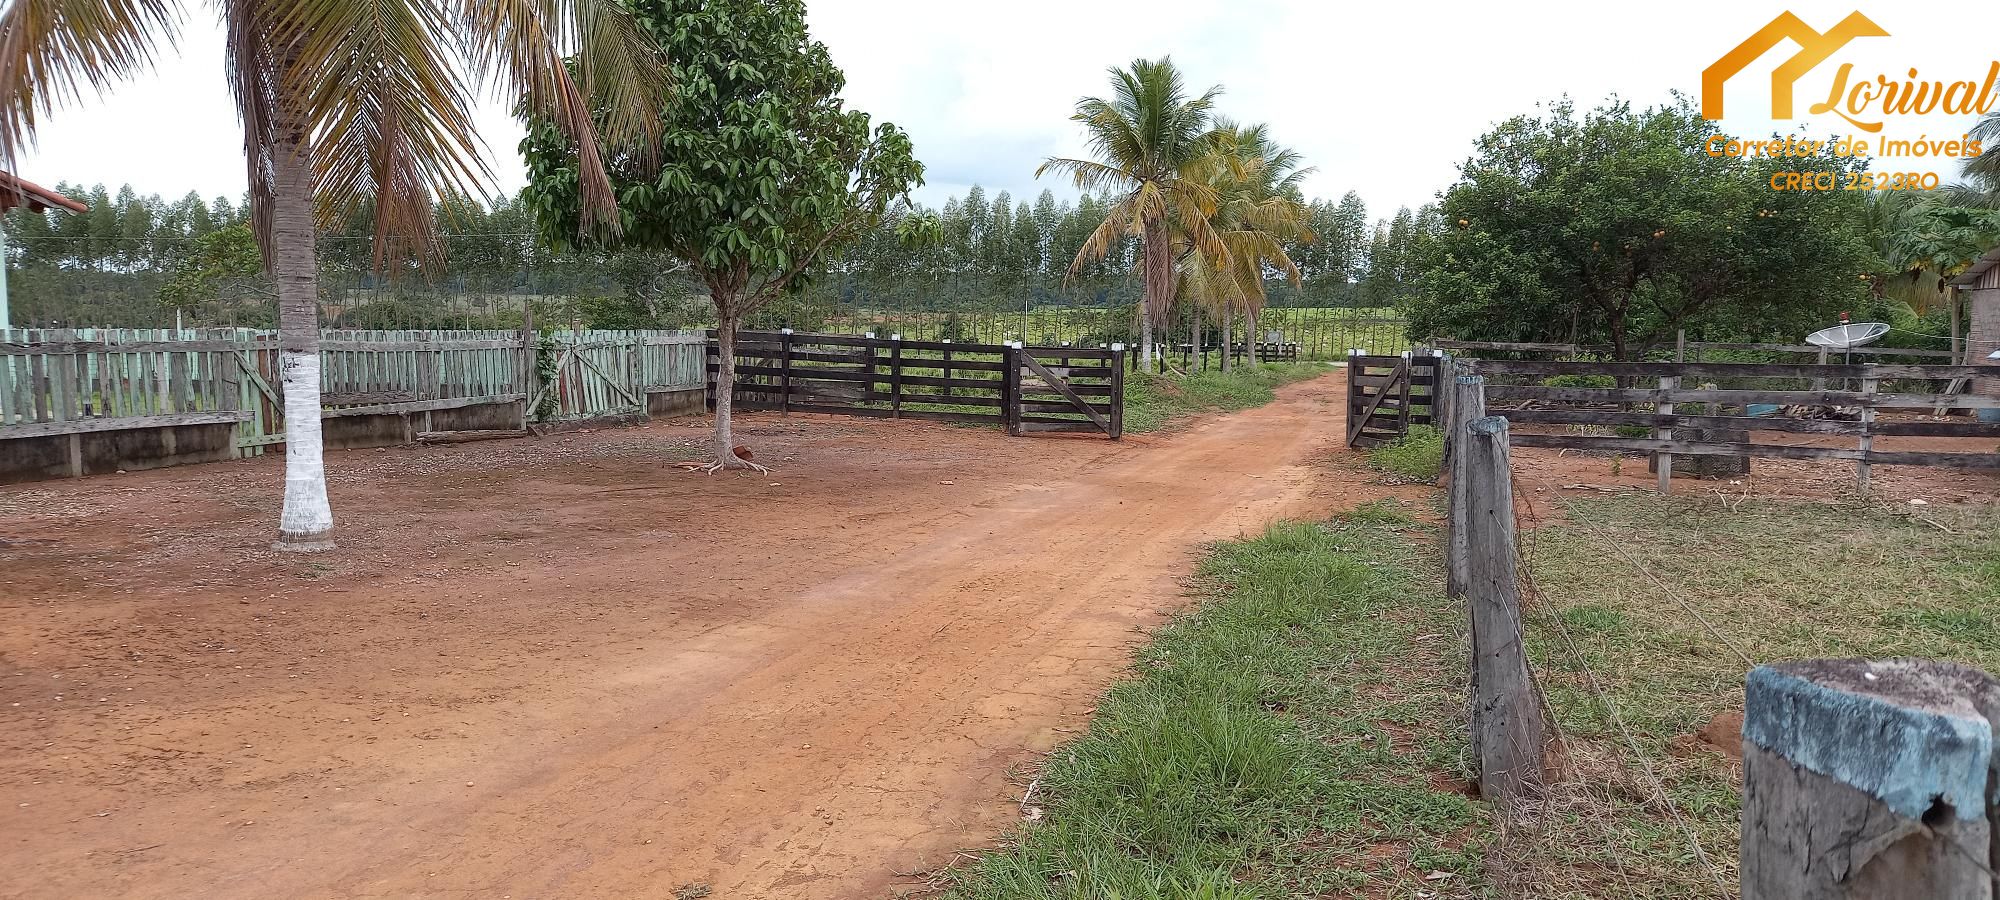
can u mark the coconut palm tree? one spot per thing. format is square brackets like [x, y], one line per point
[1154, 147]
[347, 106]
[1259, 207]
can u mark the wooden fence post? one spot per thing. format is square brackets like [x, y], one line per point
[1467, 402]
[1663, 460]
[1868, 388]
[1117, 391]
[1507, 726]
[895, 376]
[1868, 780]
[1011, 391]
[785, 376]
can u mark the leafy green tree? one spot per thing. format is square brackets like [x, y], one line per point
[761, 171]
[1154, 146]
[1615, 227]
[222, 266]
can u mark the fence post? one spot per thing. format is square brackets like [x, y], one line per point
[1011, 360]
[895, 376]
[785, 372]
[1117, 391]
[1507, 726]
[1869, 384]
[1663, 460]
[1868, 780]
[1468, 402]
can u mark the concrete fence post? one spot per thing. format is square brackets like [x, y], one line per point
[1869, 780]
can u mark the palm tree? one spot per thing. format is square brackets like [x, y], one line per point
[348, 106]
[1154, 147]
[1259, 207]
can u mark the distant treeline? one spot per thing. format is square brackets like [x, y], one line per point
[139, 260]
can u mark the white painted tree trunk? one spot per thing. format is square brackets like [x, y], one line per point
[307, 520]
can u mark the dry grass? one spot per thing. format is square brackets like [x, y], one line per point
[1644, 605]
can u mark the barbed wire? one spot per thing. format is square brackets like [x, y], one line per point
[1525, 559]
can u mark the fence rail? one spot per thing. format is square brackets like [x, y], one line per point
[1723, 426]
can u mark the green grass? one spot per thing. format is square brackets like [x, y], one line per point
[1282, 740]
[1153, 402]
[1416, 456]
[1780, 581]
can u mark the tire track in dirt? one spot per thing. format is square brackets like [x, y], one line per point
[811, 739]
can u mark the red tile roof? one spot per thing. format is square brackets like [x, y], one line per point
[16, 191]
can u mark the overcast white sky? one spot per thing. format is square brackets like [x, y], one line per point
[1384, 98]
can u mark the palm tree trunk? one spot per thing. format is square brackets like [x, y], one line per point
[1227, 320]
[1159, 283]
[307, 520]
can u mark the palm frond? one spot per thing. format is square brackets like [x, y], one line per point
[524, 48]
[391, 117]
[1087, 175]
[60, 51]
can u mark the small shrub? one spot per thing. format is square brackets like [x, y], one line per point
[1417, 455]
[1632, 431]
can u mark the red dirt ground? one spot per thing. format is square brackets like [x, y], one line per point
[561, 667]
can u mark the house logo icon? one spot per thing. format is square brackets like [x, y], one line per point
[1814, 48]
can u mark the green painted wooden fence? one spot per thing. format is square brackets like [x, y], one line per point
[70, 381]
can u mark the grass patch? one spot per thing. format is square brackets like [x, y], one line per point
[1281, 740]
[1416, 456]
[1781, 581]
[1153, 402]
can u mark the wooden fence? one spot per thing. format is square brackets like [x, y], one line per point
[1687, 418]
[1024, 389]
[56, 382]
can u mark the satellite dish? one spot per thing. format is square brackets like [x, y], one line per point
[1848, 337]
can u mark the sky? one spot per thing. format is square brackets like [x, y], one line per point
[1382, 98]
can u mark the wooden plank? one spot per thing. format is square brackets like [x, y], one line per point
[121, 423]
[1684, 448]
[1029, 425]
[1655, 420]
[1785, 398]
[370, 397]
[386, 409]
[1726, 370]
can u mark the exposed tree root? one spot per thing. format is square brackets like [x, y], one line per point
[731, 461]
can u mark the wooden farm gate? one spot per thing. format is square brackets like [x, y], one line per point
[1068, 389]
[1388, 394]
[593, 374]
[1022, 389]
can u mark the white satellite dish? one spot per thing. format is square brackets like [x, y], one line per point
[1848, 337]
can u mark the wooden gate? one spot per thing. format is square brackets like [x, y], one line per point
[1032, 389]
[1067, 389]
[1388, 394]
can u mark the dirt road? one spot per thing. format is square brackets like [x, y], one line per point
[561, 668]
